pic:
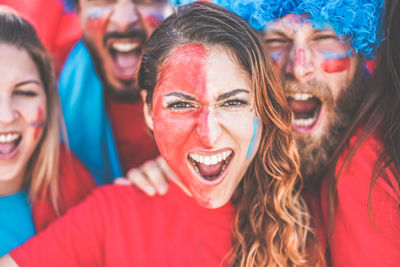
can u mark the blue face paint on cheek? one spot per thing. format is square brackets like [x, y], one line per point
[254, 138]
[276, 56]
[37, 124]
[332, 55]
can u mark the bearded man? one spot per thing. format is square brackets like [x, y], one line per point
[99, 96]
[320, 48]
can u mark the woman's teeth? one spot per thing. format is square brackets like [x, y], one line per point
[210, 160]
[9, 138]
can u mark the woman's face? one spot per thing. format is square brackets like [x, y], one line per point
[204, 121]
[22, 115]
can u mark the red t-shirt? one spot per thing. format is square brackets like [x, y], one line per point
[356, 241]
[134, 143]
[121, 226]
[75, 183]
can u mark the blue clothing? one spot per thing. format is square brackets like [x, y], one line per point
[16, 221]
[88, 125]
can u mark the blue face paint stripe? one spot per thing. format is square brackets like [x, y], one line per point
[37, 124]
[252, 146]
[276, 56]
[331, 55]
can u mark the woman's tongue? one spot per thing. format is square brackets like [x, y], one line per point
[210, 172]
[6, 148]
[126, 65]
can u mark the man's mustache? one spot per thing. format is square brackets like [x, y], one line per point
[132, 34]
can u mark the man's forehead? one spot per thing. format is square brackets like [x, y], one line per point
[293, 24]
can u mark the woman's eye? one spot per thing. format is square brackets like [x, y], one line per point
[179, 106]
[233, 103]
[25, 93]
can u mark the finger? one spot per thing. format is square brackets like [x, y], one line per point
[122, 181]
[140, 180]
[155, 176]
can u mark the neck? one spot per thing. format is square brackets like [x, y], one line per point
[11, 186]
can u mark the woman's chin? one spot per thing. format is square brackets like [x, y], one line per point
[210, 202]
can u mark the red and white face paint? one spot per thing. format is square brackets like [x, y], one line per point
[204, 122]
[115, 31]
[316, 66]
[22, 115]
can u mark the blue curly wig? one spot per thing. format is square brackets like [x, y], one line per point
[359, 19]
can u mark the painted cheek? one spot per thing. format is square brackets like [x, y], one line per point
[335, 65]
[335, 62]
[276, 57]
[154, 20]
[96, 20]
[175, 131]
[253, 143]
[38, 123]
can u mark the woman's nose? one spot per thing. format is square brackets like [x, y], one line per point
[7, 112]
[208, 127]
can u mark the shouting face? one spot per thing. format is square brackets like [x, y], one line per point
[115, 31]
[204, 122]
[22, 115]
[318, 72]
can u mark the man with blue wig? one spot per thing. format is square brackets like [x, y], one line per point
[320, 48]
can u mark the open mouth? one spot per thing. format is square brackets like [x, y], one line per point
[306, 109]
[9, 143]
[125, 54]
[211, 167]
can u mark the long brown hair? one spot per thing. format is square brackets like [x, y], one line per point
[42, 170]
[272, 225]
[378, 113]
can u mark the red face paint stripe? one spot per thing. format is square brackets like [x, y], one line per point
[300, 57]
[154, 20]
[335, 65]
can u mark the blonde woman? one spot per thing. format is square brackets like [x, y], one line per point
[39, 178]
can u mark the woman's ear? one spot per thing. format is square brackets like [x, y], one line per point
[148, 112]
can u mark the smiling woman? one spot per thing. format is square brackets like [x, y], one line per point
[220, 120]
[33, 187]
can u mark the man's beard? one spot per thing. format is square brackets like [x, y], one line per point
[129, 91]
[315, 153]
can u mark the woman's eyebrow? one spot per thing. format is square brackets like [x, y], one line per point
[182, 95]
[29, 81]
[232, 93]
